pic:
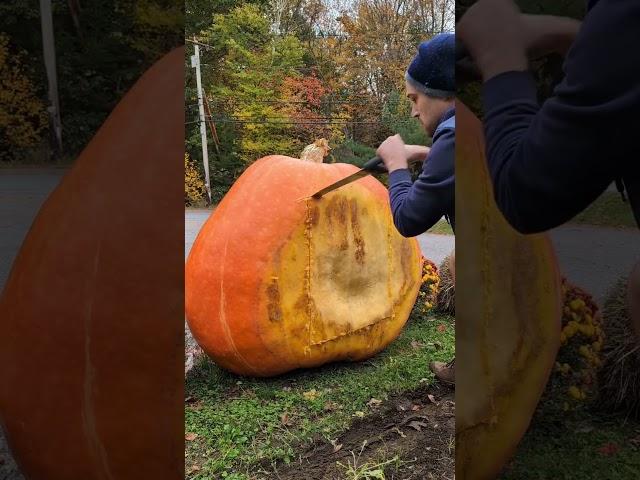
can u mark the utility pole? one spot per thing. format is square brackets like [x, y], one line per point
[49, 53]
[195, 63]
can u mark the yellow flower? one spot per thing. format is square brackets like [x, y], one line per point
[575, 392]
[571, 329]
[585, 351]
[587, 330]
[577, 304]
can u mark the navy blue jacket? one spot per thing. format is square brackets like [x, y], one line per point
[548, 163]
[418, 205]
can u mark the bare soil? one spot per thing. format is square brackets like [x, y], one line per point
[416, 428]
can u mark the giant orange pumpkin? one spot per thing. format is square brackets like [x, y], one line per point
[277, 281]
[91, 329]
[508, 301]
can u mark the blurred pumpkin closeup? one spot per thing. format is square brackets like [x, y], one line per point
[508, 310]
[91, 350]
[277, 281]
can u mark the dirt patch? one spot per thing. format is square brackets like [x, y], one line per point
[411, 438]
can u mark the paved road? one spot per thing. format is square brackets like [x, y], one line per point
[21, 194]
[595, 257]
[22, 191]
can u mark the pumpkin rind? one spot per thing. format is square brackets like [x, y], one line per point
[508, 301]
[277, 281]
[91, 355]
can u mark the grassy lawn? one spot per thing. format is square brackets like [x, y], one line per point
[586, 446]
[608, 210]
[441, 228]
[236, 428]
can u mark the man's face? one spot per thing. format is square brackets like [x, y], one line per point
[428, 110]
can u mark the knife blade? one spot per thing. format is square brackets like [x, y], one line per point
[375, 165]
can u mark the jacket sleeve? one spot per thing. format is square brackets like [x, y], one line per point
[417, 206]
[547, 164]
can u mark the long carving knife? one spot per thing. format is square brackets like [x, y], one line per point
[375, 165]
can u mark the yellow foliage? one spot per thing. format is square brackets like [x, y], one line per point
[581, 341]
[194, 188]
[430, 284]
[22, 114]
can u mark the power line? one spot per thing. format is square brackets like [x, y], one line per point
[293, 122]
[340, 35]
[325, 99]
[284, 102]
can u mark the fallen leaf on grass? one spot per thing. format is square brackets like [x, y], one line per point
[190, 437]
[374, 402]
[609, 449]
[195, 468]
[286, 420]
[311, 394]
[330, 406]
[416, 425]
[336, 446]
[584, 429]
[441, 328]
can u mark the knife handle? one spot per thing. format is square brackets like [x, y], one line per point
[375, 165]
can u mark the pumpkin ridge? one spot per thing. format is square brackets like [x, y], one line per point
[88, 414]
[223, 315]
[488, 291]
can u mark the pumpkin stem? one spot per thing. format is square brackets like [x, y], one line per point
[316, 151]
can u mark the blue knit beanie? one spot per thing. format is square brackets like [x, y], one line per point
[432, 71]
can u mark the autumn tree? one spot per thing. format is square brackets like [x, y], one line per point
[22, 113]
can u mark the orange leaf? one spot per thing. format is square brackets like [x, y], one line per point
[609, 449]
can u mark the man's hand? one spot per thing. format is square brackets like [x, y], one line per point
[545, 34]
[394, 153]
[497, 49]
[416, 153]
[494, 33]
